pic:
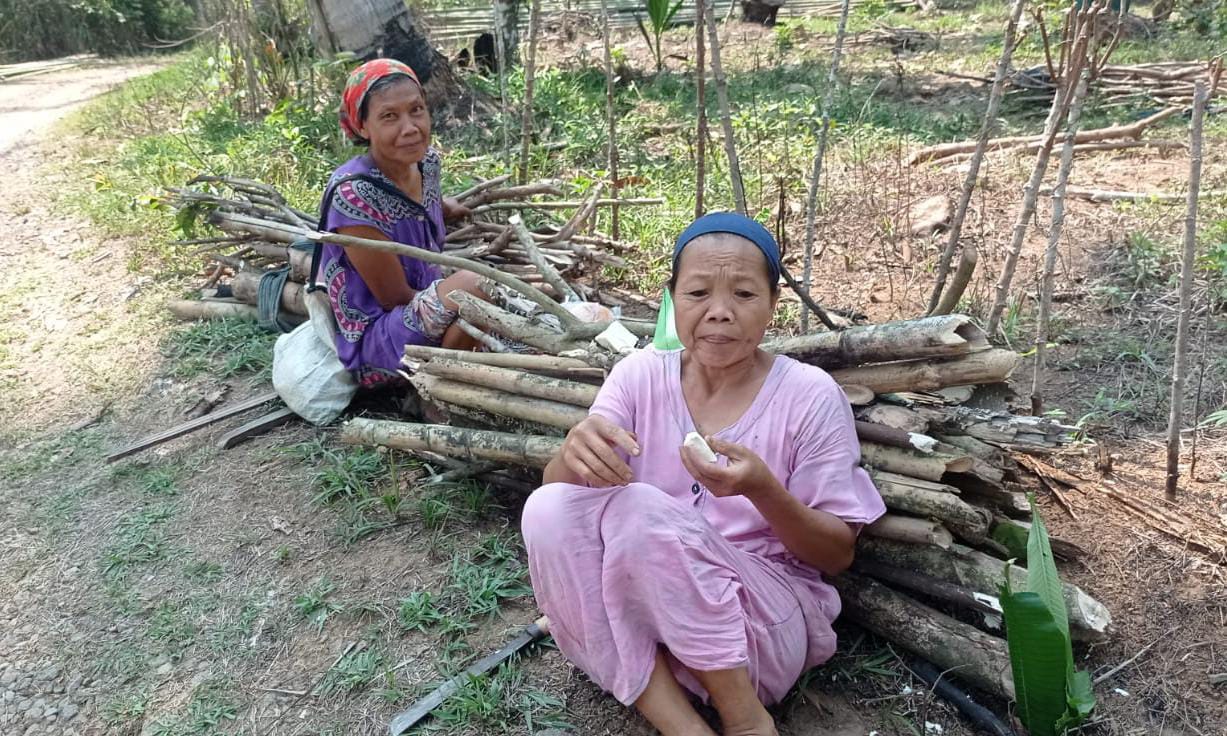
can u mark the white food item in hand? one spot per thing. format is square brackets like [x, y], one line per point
[695, 441]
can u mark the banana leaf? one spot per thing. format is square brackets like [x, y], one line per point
[1040, 659]
[1042, 576]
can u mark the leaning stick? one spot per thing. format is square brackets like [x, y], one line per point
[289, 233]
[1180, 365]
[722, 96]
[1054, 238]
[561, 287]
[700, 134]
[610, 116]
[1027, 209]
[811, 200]
[962, 278]
[973, 171]
[530, 58]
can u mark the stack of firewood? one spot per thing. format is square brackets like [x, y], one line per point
[928, 394]
[927, 575]
[259, 224]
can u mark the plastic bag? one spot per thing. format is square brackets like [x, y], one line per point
[308, 376]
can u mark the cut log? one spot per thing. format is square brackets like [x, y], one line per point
[473, 445]
[246, 288]
[985, 366]
[534, 363]
[187, 309]
[997, 428]
[935, 500]
[1088, 617]
[968, 653]
[857, 395]
[899, 417]
[994, 456]
[513, 326]
[929, 586]
[929, 466]
[929, 337]
[1132, 130]
[513, 381]
[911, 530]
[891, 437]
[541, 411]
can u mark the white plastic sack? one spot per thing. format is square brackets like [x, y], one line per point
[309, 378]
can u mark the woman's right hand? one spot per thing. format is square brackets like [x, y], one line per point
[588, 452]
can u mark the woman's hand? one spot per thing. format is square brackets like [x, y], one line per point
[588, 453]
[745, 474]
[453, 210]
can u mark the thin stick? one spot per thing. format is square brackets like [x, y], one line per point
[808, 300]
[1098, 680]
[962, 277]
[489, 342]
[700, 135]
[561, 287]
[1180, 365]
[611, 118]
[722, 96]
[973, 171]
[1054, 238]
[530, 59]
[811, 200]
[569, 204]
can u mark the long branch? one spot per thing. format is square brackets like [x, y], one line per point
[722, 95]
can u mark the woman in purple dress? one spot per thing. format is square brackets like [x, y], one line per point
[383, 301]
[663, 573]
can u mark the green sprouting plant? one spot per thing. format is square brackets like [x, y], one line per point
[313, 604]
[660, 14]
[1215, 419]
[1052, 696]
[418, 611]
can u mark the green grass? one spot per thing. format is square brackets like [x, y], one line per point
[210, 710]
[222, 348]
[419, 611]
[138, 539]
[499, 702]
[354, 672]
[315, 604]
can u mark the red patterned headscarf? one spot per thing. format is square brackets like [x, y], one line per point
[357, 86]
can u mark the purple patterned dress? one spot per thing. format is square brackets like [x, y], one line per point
[371, 340]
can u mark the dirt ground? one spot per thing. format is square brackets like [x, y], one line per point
[206, 636]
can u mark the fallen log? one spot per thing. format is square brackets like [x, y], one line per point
[934, 500]
[968, 653]
[534, 363]
[997, 428]
[890, 415]
[928, 466]
[1112, 195]
[929, 586]
[1132, 130]
[513, 381]
[929, 337]
[910, 530]
[985, 366]
[246, 288]
[970, 568]
[191, 309]
[473, 445]
[499, 403]
[891, 437]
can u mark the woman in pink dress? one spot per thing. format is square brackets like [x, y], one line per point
[662, 573]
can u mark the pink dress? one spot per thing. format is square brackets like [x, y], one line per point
[622, 571]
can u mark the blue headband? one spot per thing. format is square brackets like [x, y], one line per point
[740, 225]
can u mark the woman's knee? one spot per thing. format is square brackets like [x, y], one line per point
[465, 281]
[544, 516]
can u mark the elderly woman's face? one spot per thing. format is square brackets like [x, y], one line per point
[723, 300]
[397, 123]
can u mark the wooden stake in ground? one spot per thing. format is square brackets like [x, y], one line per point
[1180, 364]
[530, 58]
[1054, 238]
[811, 200]
[700, 134]
[611, 118]
[722, 96]
[973, 171]
[500, 48]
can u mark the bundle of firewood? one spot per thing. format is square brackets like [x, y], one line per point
[1164, 82]
[927, 575]
[259, 224]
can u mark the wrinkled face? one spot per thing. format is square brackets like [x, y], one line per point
[397, 123]
[723, 299]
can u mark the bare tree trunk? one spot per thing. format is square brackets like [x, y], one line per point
[722, 95]
[611, 117]
[372, 28]
[506, 38]
[962, 278]
[530, 63]
[1180, 365]
[811, 200]
[700, 136]
[973, 171]
[1054, 238]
